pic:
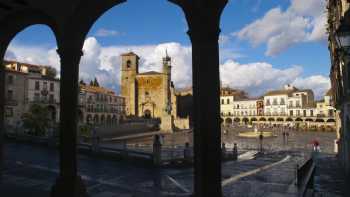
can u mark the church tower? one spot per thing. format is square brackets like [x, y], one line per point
[167, 81]
[129, 70]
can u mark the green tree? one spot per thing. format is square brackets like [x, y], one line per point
[96, 83]
[37, 120]
[82, 82]
[91, 83]
[51, 72]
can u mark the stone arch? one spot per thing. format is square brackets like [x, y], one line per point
[245, 120]
[96, 119]
[309, 120]
[319, 120]
[18, 21]
[88, 119]
[331, 120]
[228, 121]
[262, 119]
[237, 119]
[298, 119]
[271, 119]
[289, 119]
[253, 119]
[147, 114]
[280, 119]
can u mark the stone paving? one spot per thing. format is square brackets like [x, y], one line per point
[35, 168]
[329, 177]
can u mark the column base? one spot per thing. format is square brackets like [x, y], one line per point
[64, 187]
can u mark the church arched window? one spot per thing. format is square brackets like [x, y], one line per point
[128, 64]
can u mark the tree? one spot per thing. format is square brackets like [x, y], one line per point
[91, 83]
[37, 120]
[51, 72]
[96, 83]
[81, 82]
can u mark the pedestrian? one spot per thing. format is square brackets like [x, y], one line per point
[287, 136]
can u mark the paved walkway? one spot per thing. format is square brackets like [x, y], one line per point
[32, 170]
[329, 178]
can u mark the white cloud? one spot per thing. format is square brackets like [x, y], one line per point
[257, 78]
[318, 83]
[106, 33]
[104, 63]
[303, 21]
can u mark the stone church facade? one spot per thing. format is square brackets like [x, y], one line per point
[150, 94]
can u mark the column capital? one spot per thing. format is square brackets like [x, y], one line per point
[203, 18]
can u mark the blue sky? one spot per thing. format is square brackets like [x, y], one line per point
[284, 37]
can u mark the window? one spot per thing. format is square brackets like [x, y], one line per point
[304, 113]
[128, 64]
[290, 103]
[37, 85]
[297, 103]
[330, 112]
[9, 95]
[10, 79]
[222, 101]
[291, 112]
[228, 101]
[274, 101]
[268, 102]
[282, 101]
[45, 85]
[52, 87]
[311, 112]
[298, 112]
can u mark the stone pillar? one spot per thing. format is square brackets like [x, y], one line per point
[235, 152]
[69, 183]
[157, 150]
[2, 107]
[203, 18]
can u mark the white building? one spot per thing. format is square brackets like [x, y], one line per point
[289, 101]
[227, 105]
[246, 107]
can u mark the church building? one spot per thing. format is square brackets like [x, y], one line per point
[150, 94]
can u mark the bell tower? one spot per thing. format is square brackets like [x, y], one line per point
[129, 70]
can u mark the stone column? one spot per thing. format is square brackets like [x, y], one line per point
[2, 107]
[203, 17]
[68, 182]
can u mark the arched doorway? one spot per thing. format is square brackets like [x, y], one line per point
[228, 121]
[147, 114]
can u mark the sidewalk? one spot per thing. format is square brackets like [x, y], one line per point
[329, 177]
